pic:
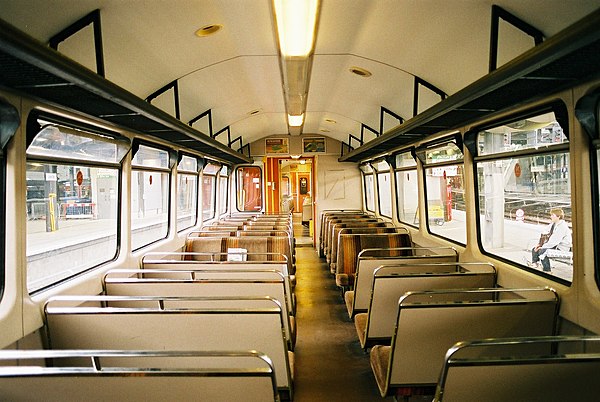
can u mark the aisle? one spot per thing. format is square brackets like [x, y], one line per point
[329, 363]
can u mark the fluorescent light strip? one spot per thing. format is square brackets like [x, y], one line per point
[295, 121]
[296, 23]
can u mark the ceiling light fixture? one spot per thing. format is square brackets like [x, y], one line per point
[208, 30]
[296, 27]
[295, 121]
[296, 22]
[361, 72]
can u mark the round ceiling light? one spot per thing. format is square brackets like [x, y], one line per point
[208, 30]
[360, 71]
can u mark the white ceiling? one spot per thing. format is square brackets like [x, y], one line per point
[150, 43]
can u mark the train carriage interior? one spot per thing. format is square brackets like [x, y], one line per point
[302, 200]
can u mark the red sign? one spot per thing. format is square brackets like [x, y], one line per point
[79, 177]
[517, 170]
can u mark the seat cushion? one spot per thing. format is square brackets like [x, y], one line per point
[349, 299]
[380, 358]
[360, 322]
[344, 280]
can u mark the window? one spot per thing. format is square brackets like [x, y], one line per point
[187, 192]
[73, 192]
[407, 188]
[384, 188]
[223, 190]
[444, 192]
[150, 177]
[522, 177]
[249, 189]
[368, 185]
[209, 190]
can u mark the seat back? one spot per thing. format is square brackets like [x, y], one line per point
[371, 259]
[270, 246]
[364, 228]
[136, 376]
[535, 369]
[219, 282]
[350, 245]
[391, 283]
[429, 323]
[170, 323]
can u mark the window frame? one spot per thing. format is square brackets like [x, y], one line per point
[379, 169]
[400, 169]
[196, 173]
[172, 160]
[239, 190]
[214, 176]
[421, 154]
[225, 202]
[368, 172]
[33, 128]
[471, 142]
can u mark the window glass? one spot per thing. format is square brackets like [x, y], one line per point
[446, 211]
[223, 190]
[150, 178]
[187, 192]
[443, 153]
[407, 188]
[211, 168]
[209, 191]
[151, 157]
[57, 141]
[72, 207]
[444, 191]
[405, 160]
[525, 195]
[249, 189]
[526, 134]
[368, 183]
[384, 192]
[187, 164]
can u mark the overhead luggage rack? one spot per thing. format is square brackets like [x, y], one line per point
[29, 67]
[568, 57]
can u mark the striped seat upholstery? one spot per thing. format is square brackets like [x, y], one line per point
[366, 228]
[350, 245]
[278, 245]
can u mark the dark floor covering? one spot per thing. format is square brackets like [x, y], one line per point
[329, 362]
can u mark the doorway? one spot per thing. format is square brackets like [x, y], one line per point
[290, 184]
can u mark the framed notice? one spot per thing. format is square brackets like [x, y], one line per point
[277, 146]
[313, 144]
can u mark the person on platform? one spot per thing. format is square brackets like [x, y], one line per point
[556, 236]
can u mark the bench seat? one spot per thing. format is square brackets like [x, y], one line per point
[94, 375]
[391, 283]
[171, 323]
[357, 300]
[561, 368]
[428, 323]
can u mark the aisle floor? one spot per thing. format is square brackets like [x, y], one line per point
[329, 362]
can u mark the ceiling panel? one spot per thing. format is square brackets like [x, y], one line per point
[149, 43]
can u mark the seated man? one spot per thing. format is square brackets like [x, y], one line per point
[558, 237]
